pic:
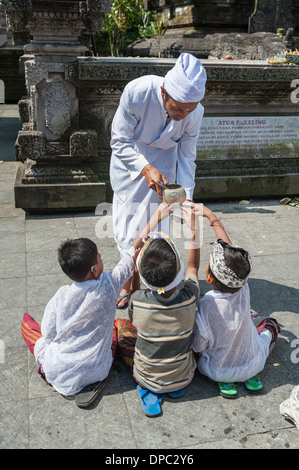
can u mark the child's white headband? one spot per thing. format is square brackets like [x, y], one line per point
[180, 263]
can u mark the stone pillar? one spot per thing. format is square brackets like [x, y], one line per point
[56, 153]
[16, 20]
[269, 15]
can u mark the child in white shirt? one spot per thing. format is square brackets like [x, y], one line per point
[74, 347]
[232, 349]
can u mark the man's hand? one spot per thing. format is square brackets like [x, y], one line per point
[151, 174]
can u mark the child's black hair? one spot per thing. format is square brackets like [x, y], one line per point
[158, 264]
[76, 257]
[235, 260]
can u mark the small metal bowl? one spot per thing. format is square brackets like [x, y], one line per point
[174, 194]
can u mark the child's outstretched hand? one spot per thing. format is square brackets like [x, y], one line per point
[205, 211]
[191, 214]
[191, 218]
[161, 213]
[164, 210]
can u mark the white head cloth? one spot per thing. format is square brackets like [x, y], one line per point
[180, 263]
[186, 81]
[223, 273]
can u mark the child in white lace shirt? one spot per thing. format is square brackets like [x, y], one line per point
[74, 349]
[232, 349]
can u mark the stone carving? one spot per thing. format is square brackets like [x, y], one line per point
[110, 72]
[53, 141]
[24, 110]
[92, 13]
[17, 13]
[31, 145]
[269, 15]
[56, 67]
[71, 73]
[34, 146]
[64, 19]
[35, 72]
[251, 73]
[57, 149]
[238, 95]
[37, 174]
[228, 168]
[57, 108]
[83, 143]
[100, 116]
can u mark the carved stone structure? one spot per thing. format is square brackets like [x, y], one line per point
[243, 29]
[55, 150]
[269, 15]
[64, 146]
[16, 20]
[210, 14]
[234, 88]
[249, 94]
[239, 46]
[230, 15]
[243, 90]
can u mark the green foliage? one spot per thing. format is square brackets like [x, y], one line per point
[126, 23]
[159, 28]
[145, 29]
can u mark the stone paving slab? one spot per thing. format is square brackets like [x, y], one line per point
[33, 415]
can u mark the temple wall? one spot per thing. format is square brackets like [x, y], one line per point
[228, 14]
[234, 89]
[237, 92]
[249, 140]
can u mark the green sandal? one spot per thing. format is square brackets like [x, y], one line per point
[254, 385]
[228, 390]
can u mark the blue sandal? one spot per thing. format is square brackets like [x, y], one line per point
[150, 402]
[126, 304]
[176, 394]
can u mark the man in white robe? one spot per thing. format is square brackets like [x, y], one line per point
[153, 139]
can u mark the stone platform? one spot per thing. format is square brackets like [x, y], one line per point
[34, 416]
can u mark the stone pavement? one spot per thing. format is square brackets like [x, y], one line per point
[34, 416]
